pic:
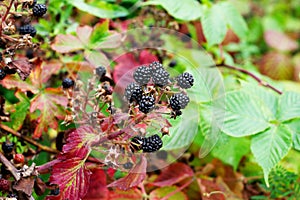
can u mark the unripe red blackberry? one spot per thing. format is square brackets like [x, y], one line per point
[67, 83]
[2, 74]
[179, 101]
[133, 92]
[185, 80]
[4, 185]
[19, 158]
[39, 10]
[27, 29]
[146, 104]
[160, 77]
[142, 75]
[152, 143]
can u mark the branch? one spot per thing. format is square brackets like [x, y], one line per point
[29, 140]
[260, 81]
[5, 15]
[10, 167]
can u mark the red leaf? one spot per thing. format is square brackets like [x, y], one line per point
[208, 186]
[72, 177]
[15, 82]
[146, 57]
[23, 67]
[47, 102]
[97, 189]
[280, 41]
[48, 69]
[173, 174]
[134, 178]
[66, 43]
[125, 195]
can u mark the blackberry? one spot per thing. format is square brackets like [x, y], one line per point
[173, 63]
[39, 10]
[156, 65]
[67, 83]
[142, 75]
[4, 185]
[128, 165]
[152, 143]
[179, 101]
[27, 29]
[185, 80]
[8, 70]
[146, 104]
[160, 77]
[100, 71]
[7, 147]
[133, 92]
[55, 191]
[2, 74]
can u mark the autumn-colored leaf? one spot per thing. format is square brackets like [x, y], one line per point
[84, 33]
[160, 193]
[97, 189]
[22, 66]
[207, 186]
[66, 43]
[132, 194]
[280, 41]
[25, 185]
[13, 81]
[48, 103]
[48, 69]
[72, 177]
[134, 178]
[173, 174]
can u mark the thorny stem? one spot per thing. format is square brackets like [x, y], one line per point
[29, 140]
[5, 15]
[260, 81]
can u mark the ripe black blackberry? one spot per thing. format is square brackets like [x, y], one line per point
[152, 143]
[160, 77]
[146, 104]
[7, 147]
[55, 191]
[67, 83]
[185, 80]
[100, 71]
[2, 74]
[133, 92]
[142, 75]
[179, 101]
[39, 10]
[128, 165]
[156, 65]
[27, 29]
[173, 63]
[8, 70]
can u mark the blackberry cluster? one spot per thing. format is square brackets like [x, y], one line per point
[27, 29]
[147, 144]
[39, 10]
[185, 80]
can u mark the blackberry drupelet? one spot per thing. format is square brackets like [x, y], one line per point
[185, 80]
[160, 77]
[142, 75]
[7, 147]
[2, 74]
[146, 104]
[152, 143]
[179, 101]
[133, 92]
[67, 83]
[39, 10]
[100, 71]
[27, 29]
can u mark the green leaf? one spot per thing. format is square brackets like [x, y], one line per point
[19, 113]
[289, 106]
[270, 146]
[231, 150]
[216, 19]
[183, 129]
[100, 9]
[100, 31]
[295, 128]
[66, 43]
[186, 10]
[96, 58]
[160, 193]
[242, 114]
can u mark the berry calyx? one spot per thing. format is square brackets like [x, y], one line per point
[4, 185]
[67, 83]
[18, 158]
[100, 71]
[160, 77]
[7, 147]
[152, 143]
[2, 74]
[27, 29]
[179, 101]
[142, 75]
[133, 92]
[146, 104]
[39, 10]
[185, 80]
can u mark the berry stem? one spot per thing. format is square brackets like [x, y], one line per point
[5, 15]
[10, 167]
[29, 140]
[244, 71]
